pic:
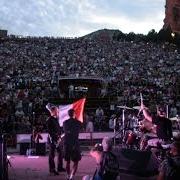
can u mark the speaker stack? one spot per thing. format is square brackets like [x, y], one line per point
[41, 149]
[3, 159]
[137, 164]
[24, 147]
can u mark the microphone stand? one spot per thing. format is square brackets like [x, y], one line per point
[167, 111]
[115, 131]
[3, 159]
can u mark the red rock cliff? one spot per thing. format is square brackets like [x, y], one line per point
[172, 15]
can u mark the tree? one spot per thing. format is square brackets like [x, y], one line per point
[152, 35]
[131, 36]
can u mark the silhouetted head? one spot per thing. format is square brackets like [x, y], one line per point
[107, 144]
[54, 111]
[71, 113]
[161, 111]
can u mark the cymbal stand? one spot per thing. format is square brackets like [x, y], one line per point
[123, 121]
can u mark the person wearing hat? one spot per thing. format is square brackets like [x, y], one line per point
[163, 126]
[54, 138]
[170, 167]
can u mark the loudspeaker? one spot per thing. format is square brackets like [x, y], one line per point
[136, 162]
[41, 149]
[23, 148]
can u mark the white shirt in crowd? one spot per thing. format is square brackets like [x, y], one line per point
[90, 127]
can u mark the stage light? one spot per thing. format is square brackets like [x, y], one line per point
[8, 157]
[173, 35]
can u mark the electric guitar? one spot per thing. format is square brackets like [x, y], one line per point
[59, 140]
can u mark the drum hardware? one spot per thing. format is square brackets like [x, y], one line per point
[129, 133]
[123, 116]
[137, 107]
[176, 118]
[125, 107]
[161, 151]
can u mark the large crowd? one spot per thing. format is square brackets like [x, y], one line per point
[30, 68]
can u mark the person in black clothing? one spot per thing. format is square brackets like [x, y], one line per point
[170, 167]
[72, 152]
[54, 139]
[163, 126]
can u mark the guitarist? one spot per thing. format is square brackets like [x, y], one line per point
[54, 137]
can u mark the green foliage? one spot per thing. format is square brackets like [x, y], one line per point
[164, 35]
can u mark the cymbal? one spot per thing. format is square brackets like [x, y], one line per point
[137, 107]
[124, 107]
[174, 119]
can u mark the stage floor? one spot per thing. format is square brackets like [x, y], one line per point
[29, 168]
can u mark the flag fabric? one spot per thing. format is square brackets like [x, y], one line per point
[78, 107]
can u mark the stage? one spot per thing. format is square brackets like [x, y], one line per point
[29, 168]
[22, 167]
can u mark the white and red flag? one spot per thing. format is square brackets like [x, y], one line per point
[78, 107]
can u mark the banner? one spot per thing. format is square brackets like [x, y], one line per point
[78, 107]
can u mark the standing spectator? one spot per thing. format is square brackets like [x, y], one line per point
[90, 129]
[71, 91]
[99, 117]
[112, 121]
[90, 126]
[99, 112]
[173, 111]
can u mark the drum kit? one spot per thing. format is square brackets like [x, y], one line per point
[133, 129]
[135, 132]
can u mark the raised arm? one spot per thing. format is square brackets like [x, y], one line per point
[146, 113]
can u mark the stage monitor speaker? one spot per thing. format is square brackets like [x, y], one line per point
[139, 163]
[23, 148]
[41, 149]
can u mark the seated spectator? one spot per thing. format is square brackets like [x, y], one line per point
[112, 122]
[170, 167]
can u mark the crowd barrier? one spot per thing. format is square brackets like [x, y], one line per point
[26, 138]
